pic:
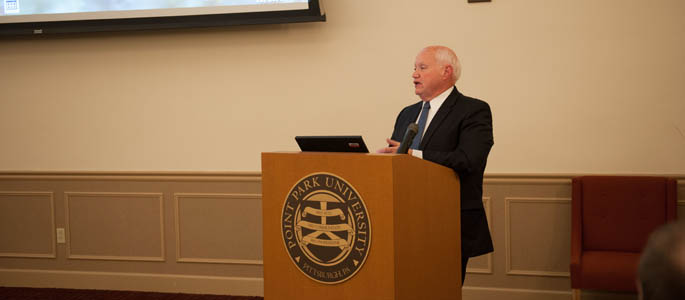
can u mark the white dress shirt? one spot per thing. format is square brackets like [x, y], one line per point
[435, 105]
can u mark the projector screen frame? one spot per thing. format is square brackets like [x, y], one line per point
[315, 13]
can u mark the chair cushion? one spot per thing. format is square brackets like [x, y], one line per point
[608, 270]
[619, 213]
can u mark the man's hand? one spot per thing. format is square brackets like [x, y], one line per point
[392, 147]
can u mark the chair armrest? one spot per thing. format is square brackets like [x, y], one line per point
[576, 232]
[671, 201]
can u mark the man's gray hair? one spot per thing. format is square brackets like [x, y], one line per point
[444, 55]
[662, 265]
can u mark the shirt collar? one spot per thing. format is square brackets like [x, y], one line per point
[438, 100]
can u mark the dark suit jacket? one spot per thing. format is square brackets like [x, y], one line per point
[459, 137]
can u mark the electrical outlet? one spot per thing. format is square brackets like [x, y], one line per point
[61, 239]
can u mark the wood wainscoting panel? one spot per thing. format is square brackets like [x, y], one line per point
[538, 236]
[122, 225]
[218, 228]
[115, 226]
[27, 224]
[500, 190]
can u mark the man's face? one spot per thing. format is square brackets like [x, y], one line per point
[429, 76]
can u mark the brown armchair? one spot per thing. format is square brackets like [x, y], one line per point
[612, 217]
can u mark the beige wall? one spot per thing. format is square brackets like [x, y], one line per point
[575, 87]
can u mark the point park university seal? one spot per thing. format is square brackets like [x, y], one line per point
[326, 228]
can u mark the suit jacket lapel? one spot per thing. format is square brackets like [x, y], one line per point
[440, 116]
[414, 111]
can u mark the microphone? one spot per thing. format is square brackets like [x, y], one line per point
[412, 130]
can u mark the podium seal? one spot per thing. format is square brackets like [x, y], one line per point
[326, 228]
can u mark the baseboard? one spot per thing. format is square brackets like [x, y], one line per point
[469, 293]
[237, 286]
[167, 283]
[487, 293]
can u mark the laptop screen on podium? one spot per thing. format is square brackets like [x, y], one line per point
[341, 143]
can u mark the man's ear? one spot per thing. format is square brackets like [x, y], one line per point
[448, 72]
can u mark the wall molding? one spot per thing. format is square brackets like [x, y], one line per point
[53, 252]
[527, 178]
[67, 221]
[177, 225]
[170, 283]
[133, 175]
[507, 235]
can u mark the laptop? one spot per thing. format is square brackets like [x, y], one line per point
[341, 143]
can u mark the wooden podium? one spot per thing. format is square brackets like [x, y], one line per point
[413, 212]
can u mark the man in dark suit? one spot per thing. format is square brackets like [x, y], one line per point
[454, 131]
